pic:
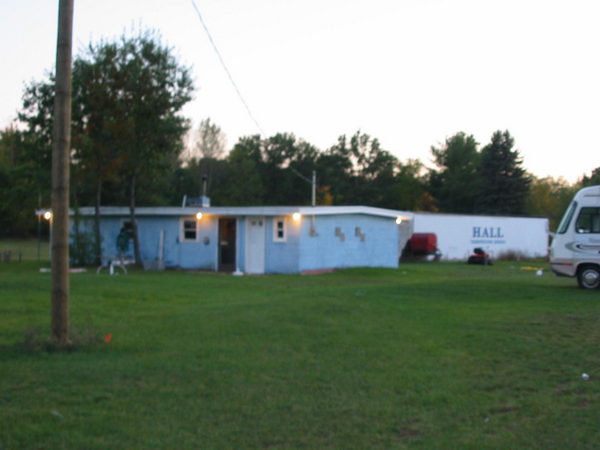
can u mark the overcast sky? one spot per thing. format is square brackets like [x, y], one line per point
[408, 72]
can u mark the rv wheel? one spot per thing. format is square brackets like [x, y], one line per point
[589, 277]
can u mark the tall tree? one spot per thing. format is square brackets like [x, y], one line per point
[504, 182]
[335, 171]
[37, 118]
[301, 165]
[592, 180]
[145, 88]
[97, 127]
[287, 167]
[20, 184]
[207, 141]
[345, 165]
[243, 182]
[410, 189]
[127, 130]
[205, 148]
[455, 183]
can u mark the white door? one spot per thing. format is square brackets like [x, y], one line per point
[255, 245]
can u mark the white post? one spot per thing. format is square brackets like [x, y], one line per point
[161, 245]
[314, 188]
[314, 202]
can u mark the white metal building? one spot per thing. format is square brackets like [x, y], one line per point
[458, 235]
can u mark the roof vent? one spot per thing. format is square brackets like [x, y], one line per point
[203, 201]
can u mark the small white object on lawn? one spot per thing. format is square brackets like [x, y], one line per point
[585, 376]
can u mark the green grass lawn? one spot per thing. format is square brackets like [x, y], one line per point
[25, 250]
[437, 355]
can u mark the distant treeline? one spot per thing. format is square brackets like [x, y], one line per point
[132, 147]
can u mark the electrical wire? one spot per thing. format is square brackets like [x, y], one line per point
[214, 46]
[300, 175]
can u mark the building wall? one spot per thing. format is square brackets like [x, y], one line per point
[341, 241]
[200, 254]
[282, 257]
[349, 241]
[458, 235]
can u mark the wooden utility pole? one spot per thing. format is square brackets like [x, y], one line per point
[61, 148]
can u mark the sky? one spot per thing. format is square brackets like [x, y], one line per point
[410, 73]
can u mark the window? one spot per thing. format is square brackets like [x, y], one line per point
[279, 229]
[566, 220]
[588, 220]
[189, 230]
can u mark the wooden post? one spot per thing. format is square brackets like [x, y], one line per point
[60, 176]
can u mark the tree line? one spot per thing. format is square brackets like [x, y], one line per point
[129, 148]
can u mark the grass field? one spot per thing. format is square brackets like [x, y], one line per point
[437, 355]
[26, 249]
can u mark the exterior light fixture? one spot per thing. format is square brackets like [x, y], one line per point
[47, 215]
[296, 216]
[199, 215]
[398, 220]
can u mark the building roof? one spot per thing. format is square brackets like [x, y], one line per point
[245, 211]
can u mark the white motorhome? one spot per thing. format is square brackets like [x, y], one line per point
[575, 249]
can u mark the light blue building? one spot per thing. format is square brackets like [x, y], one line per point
[257, 240]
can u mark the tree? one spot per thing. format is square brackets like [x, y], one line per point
[410, 189]
[127, 131]
[208, 141]
[592, 180]
[37, 116]
[344, 166]
[10, 139]
[300, 166]
[549, 197]
[188, 179]
[454, 184]
[357, 170]
[205, 149]
[504, 183]
[140, 88]
[243, 182]
[335, 175]
[97, 126]
[20, 185]
[287, 165]
[271, 171]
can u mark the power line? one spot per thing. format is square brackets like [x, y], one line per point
[212, 42]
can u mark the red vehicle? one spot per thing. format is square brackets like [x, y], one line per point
[422, 245]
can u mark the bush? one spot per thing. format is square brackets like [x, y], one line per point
[512, 255]
[82, 249]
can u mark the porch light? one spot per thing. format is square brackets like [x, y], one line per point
[296, 216]
[199, 215]
[398, 220]
[47, 215]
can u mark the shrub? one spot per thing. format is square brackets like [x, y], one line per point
[512, 255]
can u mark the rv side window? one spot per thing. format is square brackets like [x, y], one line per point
[566, 220]
[588, 220]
